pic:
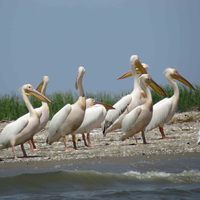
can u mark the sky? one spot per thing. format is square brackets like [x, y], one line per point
[54, 37]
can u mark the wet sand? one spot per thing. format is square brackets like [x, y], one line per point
[183, 129]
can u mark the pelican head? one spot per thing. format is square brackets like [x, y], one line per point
[137, 65]
[90, 102]
[40, 87]
[29, 90]
[133, 59]
[81, 72]
[172, 73]
[141, 70]
[45, 79]
[149, 82]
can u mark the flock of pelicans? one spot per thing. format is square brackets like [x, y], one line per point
[132, 114]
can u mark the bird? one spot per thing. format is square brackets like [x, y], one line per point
[164, 110]
[43, 110]
[94, 115]
[138, 118]
[22, 130]
[127, 103]
[68, 119]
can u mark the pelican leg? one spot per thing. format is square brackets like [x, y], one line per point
[65, 142]
[136, 140]
[33, 143]
[162, 132]
[23, 150]
[143, 138]
[14, 153]
[84, 139]
[88, 139]
[74, 141]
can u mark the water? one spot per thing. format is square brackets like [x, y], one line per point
[160, 178]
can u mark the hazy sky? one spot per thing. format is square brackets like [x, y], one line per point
[54, 37]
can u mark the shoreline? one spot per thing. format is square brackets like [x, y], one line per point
[170, 163]
[184, 127]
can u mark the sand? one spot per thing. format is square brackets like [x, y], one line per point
[183, 129]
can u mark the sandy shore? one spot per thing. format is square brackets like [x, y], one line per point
[183, 127]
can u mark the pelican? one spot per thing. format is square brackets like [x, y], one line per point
[94, 115]
[137, 119]
[21, 130]
[127, 103]
[67, 120]
[165, 109]
[43, 110]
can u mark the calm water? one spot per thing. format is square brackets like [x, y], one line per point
[174, 178]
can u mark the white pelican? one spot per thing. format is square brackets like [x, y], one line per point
[127, 103]
[137, 119]
[165, 109]
[43, 110]
[21, 130]
[94, 115]
[67, 120]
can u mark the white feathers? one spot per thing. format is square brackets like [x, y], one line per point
[93, 118]
[12, 130]
[57, 121]
[161, 111]
[112, 119]
[129, 120]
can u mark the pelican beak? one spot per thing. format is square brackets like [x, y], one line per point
[158, 89]
[126, 75]
[38, 95]
[39, 87]
[139, 70]
[180, 78]
[139, 67]
[107, 107]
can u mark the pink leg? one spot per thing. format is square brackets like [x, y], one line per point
[162, 132]
[65, 142]
[14, 153]
[88, 139]
[33, 143]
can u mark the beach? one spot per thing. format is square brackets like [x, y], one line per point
[182, 132]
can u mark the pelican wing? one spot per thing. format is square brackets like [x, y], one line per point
[12, 130]
[130, 119]
[59, 118]
[123, 103]
[114, 114]
[161, 111]
[93, 118]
